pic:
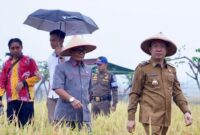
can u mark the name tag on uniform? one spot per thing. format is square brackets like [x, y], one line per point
[152, 74]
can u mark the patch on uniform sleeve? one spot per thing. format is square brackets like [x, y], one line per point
[114, 82]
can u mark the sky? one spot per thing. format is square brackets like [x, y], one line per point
[123, 25]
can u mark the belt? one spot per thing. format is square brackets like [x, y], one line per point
[101, 98]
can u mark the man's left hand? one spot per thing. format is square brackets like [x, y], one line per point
[188, 119]
[20, 85]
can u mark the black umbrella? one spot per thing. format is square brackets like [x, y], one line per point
[72, 23]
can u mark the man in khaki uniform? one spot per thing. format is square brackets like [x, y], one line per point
[103, 89]
[154, 84]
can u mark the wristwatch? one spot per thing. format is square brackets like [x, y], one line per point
[71, 99]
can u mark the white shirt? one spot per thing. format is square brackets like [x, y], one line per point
[52, 62]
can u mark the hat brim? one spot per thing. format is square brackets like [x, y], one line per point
[67, 52]
[171, 47]
[100, 63]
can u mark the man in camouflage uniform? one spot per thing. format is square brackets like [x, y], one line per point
[103, 89]
[154, 84]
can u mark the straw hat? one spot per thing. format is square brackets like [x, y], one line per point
[77, 42]
[171, 47]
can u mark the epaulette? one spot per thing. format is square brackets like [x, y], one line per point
[144, 63]
[171, 65]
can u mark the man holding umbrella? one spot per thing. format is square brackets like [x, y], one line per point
[71, 82]
[72, 23]
[56, 40]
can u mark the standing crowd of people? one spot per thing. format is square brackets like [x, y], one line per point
[73, 85]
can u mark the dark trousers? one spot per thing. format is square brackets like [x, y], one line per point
[76, 124]
[23, 111]
[101, 107]
[73, 124]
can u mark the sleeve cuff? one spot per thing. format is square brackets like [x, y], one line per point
[131, 116]
[188, 112]
[185, 109]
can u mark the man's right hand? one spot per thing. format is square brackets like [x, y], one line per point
[130, 126]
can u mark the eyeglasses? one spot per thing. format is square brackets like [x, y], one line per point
[79, 50]
[15, 48]
[61, 58]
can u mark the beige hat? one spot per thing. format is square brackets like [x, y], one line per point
[171, 48]
[77, 42]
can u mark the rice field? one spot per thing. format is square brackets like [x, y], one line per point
[115, 124]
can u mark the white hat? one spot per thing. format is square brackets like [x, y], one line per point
[77, 42]
[171, 47]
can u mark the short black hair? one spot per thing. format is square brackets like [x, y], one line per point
[15, 40]
[58, 33]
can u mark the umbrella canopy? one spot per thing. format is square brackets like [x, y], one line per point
[72, 23]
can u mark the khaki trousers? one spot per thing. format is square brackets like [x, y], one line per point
[155, 130]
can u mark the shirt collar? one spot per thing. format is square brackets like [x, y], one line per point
[158, 65]
[54, 54]
[11, 58]
[75, 63]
